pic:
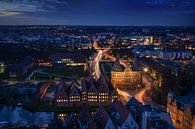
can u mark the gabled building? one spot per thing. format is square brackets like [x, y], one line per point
[182, 111]
[90, 92]
[61, 95]
[103, 92]
[121, 117]
[74, 96]
[147, 117]
[135, 109]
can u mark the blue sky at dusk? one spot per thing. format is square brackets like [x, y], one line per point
[98, 12]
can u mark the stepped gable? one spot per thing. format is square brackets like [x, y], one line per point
[84, 85]
[101, 84]
[117, 66]
[92, 86]
[74, 87]
[62, 89]
[128, 67]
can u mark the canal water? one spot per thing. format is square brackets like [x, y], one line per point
[24, 117]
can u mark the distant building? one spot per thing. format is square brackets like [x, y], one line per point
[146, 30]
[182, 111]
[125, 77]
[164, 54]
[68, 59]
[2, 67]
[90, 92]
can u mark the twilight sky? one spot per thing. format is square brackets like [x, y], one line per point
[98, 12]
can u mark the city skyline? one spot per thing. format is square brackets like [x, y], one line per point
[101, 12]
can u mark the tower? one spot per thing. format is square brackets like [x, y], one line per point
[130, 76]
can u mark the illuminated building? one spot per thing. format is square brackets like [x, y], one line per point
[151, 39]
[2, 67]
[68, 59]
[90, 92]
[182, 111]
[134, 115]
[128, 77]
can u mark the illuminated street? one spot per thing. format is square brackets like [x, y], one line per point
[124, 96]
[104, 64]
[140, 95]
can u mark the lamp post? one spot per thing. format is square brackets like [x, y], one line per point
[145, 70]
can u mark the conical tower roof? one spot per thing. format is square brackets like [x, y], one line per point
[128, 67]
[117, 66]
[134, 65]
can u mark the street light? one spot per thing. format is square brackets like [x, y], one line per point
[145, 69]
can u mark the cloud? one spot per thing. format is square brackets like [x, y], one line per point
[8, 13]
[17, 7]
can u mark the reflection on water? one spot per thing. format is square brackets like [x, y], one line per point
[24, 117]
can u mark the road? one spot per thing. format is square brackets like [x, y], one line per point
[124, 96]
[140, 95]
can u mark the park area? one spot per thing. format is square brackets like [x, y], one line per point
[57, 73]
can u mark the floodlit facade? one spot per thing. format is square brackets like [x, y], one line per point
[182, 111]
[75, 59]
[127, 77]
[90, 92]
[2, 67]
